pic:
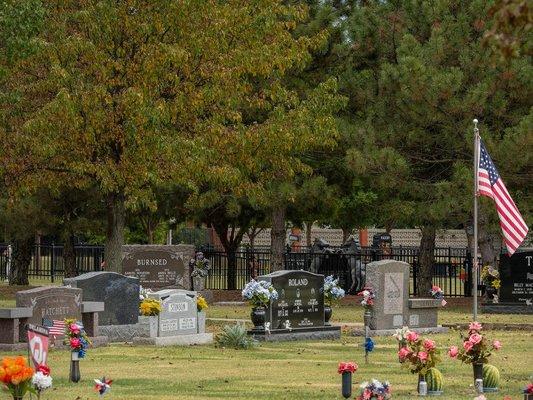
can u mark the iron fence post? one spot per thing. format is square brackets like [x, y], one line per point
[52, 262]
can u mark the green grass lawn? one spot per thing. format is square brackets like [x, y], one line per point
[295, 370]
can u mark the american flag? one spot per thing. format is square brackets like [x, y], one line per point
[491, 185]
[55, 327]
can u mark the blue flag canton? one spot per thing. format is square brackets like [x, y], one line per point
[486, 163]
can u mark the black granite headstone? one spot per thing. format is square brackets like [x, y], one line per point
[516, 274]
[300, 301]
[119, 293]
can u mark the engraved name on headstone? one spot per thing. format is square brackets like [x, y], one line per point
[301, 300]
[51, 303]
[516, 274]
[178, 312]
[158, 266]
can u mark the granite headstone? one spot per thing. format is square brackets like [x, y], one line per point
[158, 266]
[51, 303]
[516, 274]
[119, 293]
[301, 300]
[390, 282]
[178, 312]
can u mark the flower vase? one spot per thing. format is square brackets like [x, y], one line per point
[490, 292]
[346, 384]
[258, 316]
[201, 321]
[422, 385]
[327, 314]
[478, 371]
[75, 375]
[198, 283]
[367, 316]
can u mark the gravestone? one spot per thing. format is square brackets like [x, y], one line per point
[178, 312]
[516, 289]
[119, 293]
[390, 282]
[393, 309]
[298, 313]
[158, 266]
[51, 303]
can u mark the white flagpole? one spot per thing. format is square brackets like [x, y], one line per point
[474, 256]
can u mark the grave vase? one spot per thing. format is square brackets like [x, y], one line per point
[490, 292]
[75, 375]
[198, 283]
[367, 316]
[327, 314]
[258, 316]
[346, 384]
[152, 323]
[478, 371]
[201, 321]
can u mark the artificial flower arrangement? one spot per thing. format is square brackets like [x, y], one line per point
[418, 354]
[368, 298]
[150, 307]
[102, 386]
[401, 336]
[16, 375]
[76, 338]
[332, 290]
[375, 390]
[201, 304]
[41, 379]
[259, 293]
[529, 388]
[200, 265]
[476, 348]
[438, 294]
[491, 276]
[350, 367]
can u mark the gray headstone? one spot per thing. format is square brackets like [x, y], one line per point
[158, 266]
[389, 280]
[178, 312]
[300, 301]
[119, 293]
[51, 303]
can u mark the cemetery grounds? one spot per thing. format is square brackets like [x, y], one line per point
[290, 370]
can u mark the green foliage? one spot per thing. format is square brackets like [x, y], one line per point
[491, 376]
[434, 380]
[235, 337]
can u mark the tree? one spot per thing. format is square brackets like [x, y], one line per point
[418, 74]
[129, 95]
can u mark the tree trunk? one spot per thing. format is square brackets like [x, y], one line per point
[115, 232]
[21, 259]
[308, 233]
[426, 261]
[345, 234]
[232, 267]
[69, 257]
[277, 236]
[487, 248]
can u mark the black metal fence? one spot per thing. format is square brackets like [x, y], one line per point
[452, 268]
[47, 260]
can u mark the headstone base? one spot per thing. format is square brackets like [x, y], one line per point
[285, 335]
[180, 340]
[124, 333]
[390, 332]
[506, 308]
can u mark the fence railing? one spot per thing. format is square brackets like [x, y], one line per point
[452, 270]
[47, 261]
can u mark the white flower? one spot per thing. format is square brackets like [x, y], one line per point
[41, 381]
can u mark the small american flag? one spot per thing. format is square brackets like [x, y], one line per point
[491, 185]
[55, 327]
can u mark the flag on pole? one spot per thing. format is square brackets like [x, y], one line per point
[491, 185]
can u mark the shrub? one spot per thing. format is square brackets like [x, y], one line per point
[235, 337]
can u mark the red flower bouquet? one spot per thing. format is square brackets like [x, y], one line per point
[347, 367]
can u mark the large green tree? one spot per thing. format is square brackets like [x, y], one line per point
[129, 95]
[418, 74]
